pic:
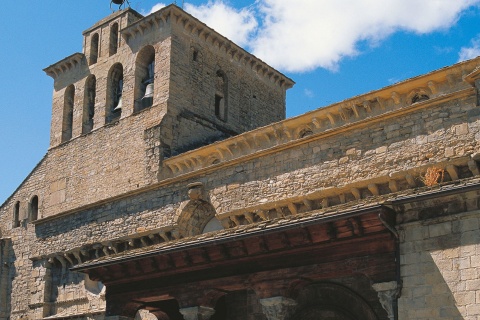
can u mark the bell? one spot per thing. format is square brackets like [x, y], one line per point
[148, 91]
[119, 105]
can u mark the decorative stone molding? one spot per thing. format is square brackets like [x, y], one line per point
[65, 64]
[283, 135]
[173, 15]
[388, 292]
[278, 308]
[325, 200]
[197, 313]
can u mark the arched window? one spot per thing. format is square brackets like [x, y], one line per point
[93, 49]
[33, 208]
[144, 78]
[221, 96]
[113, 39]
[67, 121]
[89, 104]
[16, 215]
[114, 93]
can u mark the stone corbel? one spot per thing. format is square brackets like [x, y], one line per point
[396, 97]
[195, 191]
[278, 308]
[197, 313]
[388, 293]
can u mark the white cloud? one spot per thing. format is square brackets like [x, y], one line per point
[309, 93]
[157, 7]
[237, 25]
[307, 34]
[470, 52]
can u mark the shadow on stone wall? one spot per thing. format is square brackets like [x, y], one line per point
[440, 272]
[7, 272]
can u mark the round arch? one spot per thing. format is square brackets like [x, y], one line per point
[194, 216]
[331, 301]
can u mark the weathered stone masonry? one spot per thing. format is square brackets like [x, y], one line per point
[197, 206]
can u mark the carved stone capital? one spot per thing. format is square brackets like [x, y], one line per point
[197, 313]
[387, 292]
[278, 308]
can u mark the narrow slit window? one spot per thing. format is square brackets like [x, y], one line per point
[113, 39]
[221, 92]
[68, 113]
[219, 107]
[94, 49]
[16, 215]
[89, 104]
[34, 208]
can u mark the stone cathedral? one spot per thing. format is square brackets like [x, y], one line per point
[174, 188]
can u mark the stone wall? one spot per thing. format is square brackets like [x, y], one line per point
[440, 264]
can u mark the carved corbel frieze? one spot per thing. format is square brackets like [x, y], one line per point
[235, 220]
[164, 236]
[355, 110]
[225, 223]
[432, 86]
[392, 185]
[473, 167]
[452, 171]
[396, 97]
[356, 193]
[293, 208]
[373, 188]
[325, 203]
[368, 106]
[331, 118]
[382, 103]
[410, 180]
[388, 292]
[249, 217]
[316, 122]
[262, 214]
[308, 204]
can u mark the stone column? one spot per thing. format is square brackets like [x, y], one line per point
[47, 289]
[388, 293]
[197, 313]
[278, 308]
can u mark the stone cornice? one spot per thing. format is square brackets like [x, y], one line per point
[316, 204]
[473, 76]
[388, 102]
[201, 31]
[321, 123]
[111, 17]
[65, 65]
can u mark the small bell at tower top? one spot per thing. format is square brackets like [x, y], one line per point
[120, 3]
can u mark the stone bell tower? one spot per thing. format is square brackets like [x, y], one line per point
[149, 88]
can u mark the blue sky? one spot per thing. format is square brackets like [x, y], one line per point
[333, 49]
